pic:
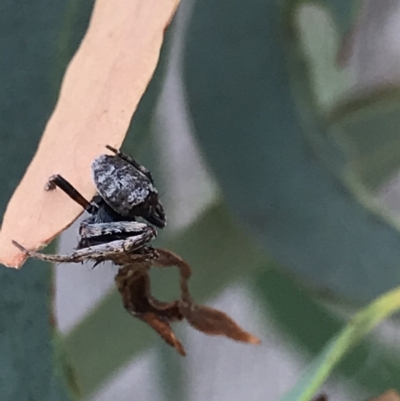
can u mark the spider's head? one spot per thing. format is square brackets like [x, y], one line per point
[152, 210]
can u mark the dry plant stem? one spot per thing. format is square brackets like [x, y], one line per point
[133, 283]
[98, 253]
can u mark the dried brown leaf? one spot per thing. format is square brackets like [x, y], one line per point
[101, 89]
[214, 322]
[162, 327]
[133, 283]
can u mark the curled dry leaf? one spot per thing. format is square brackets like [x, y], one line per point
[101, 90]
[214, 322]
[133, 283]
[134, 287]
[162, 327]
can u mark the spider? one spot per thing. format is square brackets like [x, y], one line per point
[126, 192]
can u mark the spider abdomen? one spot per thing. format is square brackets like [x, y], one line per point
[127, 188]
[120, 184]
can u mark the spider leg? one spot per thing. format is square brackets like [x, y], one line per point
[90, 230]
[131, 161]
[114, 250]
[60, 182]
[101, 233]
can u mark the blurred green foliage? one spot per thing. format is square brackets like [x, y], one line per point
[269, 145]
[311, 326]
[297, 164]
[358, 327]
[32, 64]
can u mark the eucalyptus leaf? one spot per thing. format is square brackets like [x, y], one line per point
[37, 41]
[319, 41]
[367, 130]
[357, 141]
[343, 12]
[141, 124]
[172, 372]
[254, 113]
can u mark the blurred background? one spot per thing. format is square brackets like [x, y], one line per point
[271, 128]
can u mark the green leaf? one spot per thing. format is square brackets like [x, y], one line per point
[311, 325]
[256, 120]
[27, 367]
[343, 12]
[361, 324]
[358, 141]
[172, 372]
[32, 366]
[74, 23]
[367, 130]
[319, 41]
[211, 247]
